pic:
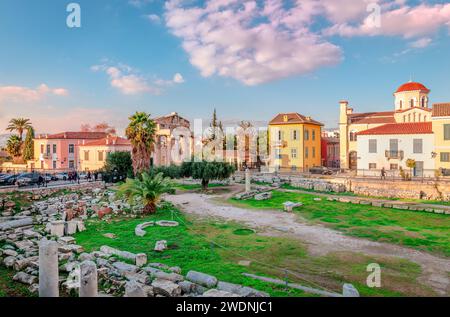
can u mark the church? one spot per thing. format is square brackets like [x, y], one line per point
[415, 131]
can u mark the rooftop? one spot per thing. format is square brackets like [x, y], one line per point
[293, 118]
[74, 135]
[441, 110]
[400, 128]
[109, 140]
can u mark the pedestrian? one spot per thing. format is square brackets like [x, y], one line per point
[95, 175]
[89, 176]
[77, 177]
[383, 173]
[40, 180]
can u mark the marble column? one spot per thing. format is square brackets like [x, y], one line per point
[247, 181]
[88, 279]
[48, 269]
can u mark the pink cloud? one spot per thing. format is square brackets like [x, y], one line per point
[25, 94]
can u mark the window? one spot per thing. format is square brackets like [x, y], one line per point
[294, 135]
[446, 131]
[372, 166]
[445, 156]
[401, 104]
[54, 165]
[86, 155]
[411, 103]
[372, 146]
[100, 156]
[420, 117]
[423, 102]
[279, 135]
[417, 146]
[306, 152]
[353, 136]
[314, 152]
[277, 154]
[424, 118]
[393, 145]
[42, 148]
[71, 164]
[306, 134]
[54, 148]
[313, 135]
[293, 153]
[394, 166]
[71, 148]
[48, 149]
[409, 117]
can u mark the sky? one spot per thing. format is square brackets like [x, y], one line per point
[248, 59]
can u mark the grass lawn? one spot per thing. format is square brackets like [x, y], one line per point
[9, 288]
[423, 231]
[214, 247]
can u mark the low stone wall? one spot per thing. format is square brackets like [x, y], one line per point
[45, 191]
[402, 189]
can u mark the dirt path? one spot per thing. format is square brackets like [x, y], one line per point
[319, 239]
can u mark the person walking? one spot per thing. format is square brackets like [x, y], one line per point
[40, 180]
[383, 173]
[89, 176]
[95, 175]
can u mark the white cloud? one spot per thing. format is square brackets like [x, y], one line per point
[421, 43]
[130, 82]
[178, 78]
[250, 43]
[260, 41]
[139, 3]
[153, 18]
[25, 94]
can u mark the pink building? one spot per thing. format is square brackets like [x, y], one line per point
[60, 151]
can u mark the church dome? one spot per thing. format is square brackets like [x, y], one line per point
[412, 86]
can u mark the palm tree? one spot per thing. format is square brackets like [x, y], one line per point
[19, 125]
[148, 188]
[141, 133]
[14, 146]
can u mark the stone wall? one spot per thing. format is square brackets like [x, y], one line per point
[50, 190]
[402, 189]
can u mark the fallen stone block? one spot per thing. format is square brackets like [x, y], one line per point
[166, 288]
[218, 293]
[25, 278]
[202, 279]
[160, 246]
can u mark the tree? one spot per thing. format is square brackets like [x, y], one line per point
[14, 146]
[411, 164]
[99, 127]
[148, 188]
[120, 162]
[19, 125]
[28, 150]
[141, 133]
[207, 171]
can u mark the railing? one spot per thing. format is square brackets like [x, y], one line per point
[394, 154]
[408, 174]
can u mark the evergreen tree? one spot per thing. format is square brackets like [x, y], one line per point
[28, 150]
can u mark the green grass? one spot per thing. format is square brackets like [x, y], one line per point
[9, 288]
[214, 247]
[422, 231]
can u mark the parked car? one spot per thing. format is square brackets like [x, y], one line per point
[8, 180]
[61, 176]
[322, 170]
[27, 179]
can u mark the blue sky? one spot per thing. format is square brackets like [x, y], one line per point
[73, 64]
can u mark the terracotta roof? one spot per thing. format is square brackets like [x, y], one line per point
[441, 110]
[110, 141]
[372, 117]
[292, 118]
[401, 128]
[412, 86]
[74, 135]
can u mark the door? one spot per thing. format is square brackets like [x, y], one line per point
[353, 160]
[418, 170]
[393, 147]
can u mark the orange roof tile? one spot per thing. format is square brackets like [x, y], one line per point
[74, 135]
[293, 118]
[441, 110]
[110, 141]
[412, 86]
[400, 128]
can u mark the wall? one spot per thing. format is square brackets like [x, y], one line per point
[441, 145]
[405, 144]
[94, 163]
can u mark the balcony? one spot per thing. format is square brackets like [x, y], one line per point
[280, 144]
[398, 155]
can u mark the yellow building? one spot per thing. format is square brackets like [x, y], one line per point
[92, 155]
[441, 130]
[294, 142]
[411, 105]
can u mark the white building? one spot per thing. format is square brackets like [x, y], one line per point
[391, 145]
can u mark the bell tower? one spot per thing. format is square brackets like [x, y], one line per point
[411, 95]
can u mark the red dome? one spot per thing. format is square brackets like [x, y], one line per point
[412, 86]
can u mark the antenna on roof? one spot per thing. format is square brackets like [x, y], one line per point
[410, 78]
